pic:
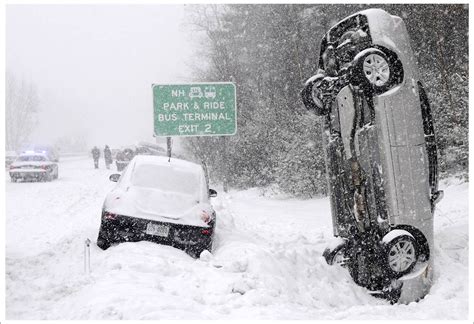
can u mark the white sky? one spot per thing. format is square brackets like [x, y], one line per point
[94, 66]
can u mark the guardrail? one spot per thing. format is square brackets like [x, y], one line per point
[73, 154]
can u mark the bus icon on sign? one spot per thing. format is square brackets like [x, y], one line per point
[210, 92]
[195, 92]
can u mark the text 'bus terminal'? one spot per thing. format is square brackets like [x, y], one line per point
[195, 109]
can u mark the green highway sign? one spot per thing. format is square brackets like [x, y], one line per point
[196, 109]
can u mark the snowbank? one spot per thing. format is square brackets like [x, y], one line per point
[267, 261]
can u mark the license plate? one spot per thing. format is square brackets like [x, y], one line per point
[157, 230]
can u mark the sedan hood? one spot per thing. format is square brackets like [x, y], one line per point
[154, 204]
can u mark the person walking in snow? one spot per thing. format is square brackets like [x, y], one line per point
[96, 156]
[107, 156]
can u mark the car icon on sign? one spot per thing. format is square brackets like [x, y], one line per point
[195, 92]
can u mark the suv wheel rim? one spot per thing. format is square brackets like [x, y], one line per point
[402, 255]
[376, 69]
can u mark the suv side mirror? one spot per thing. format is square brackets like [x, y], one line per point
[114, 177]
[212, 193]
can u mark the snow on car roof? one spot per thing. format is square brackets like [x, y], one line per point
[33, 154]
[155, 172]
[163, 160]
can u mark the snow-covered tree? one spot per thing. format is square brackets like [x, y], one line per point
[270, 50]
[21, 107]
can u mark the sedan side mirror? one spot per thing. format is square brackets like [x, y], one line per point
[114, 177]
[212, 193]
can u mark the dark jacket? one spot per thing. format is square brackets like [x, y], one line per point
[108, 154]
[95, 153]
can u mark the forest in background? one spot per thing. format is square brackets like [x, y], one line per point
[269, 51]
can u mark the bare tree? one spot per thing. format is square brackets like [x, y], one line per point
[21, 107]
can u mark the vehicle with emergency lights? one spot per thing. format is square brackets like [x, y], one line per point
[50, 151]
[33, 166]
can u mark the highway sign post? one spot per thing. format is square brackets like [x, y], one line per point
[196, 109]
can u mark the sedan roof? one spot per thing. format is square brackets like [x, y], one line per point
[165, 161]
[34, 154]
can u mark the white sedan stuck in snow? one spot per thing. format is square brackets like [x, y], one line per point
[159, 200]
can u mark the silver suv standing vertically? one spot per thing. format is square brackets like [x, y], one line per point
[381, 156]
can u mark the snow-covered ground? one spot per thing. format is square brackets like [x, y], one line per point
[266, 263]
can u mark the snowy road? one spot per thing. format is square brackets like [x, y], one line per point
[266, 264]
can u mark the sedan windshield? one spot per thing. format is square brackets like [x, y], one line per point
[166, 178]
[36, 158]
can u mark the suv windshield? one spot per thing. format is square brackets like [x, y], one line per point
[165, 178]
[35, 158]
